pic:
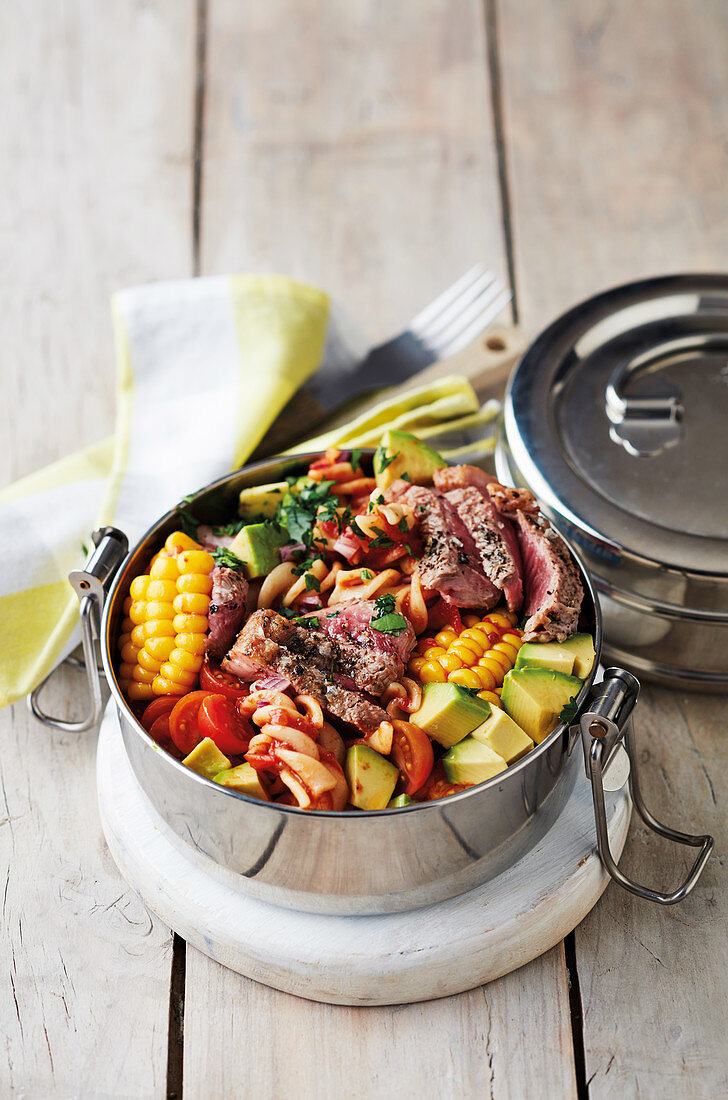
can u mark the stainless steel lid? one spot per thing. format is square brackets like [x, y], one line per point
[617, 419]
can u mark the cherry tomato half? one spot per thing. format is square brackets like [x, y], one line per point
[183, 724]
[219, 720]
[212, 678]
[413, 755]
[438, 786]
[163, 705]
[159, 730]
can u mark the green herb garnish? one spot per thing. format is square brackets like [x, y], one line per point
[223, 556]
[310, 621]
[568, 712]
[384, 604]
[403, 526]
[355, 459]
[312, 582]
[366, 575]
[382, 460]
[389, 624]
[231, 528]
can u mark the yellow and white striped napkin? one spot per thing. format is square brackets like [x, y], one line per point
[204, 366]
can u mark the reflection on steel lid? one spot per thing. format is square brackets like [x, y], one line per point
[617, 418]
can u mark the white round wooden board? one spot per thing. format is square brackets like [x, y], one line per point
[392, 959]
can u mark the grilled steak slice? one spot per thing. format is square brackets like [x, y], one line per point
[461, 477]
[450, 563]
[269, 644]
[369, 658]
[495, 540]
[227, 609]
[554, 591]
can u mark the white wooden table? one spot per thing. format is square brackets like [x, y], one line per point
[376, 150]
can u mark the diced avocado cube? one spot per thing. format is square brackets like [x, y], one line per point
[449, 712]
[535, 697]
[206, 759]
[244, 779]
[400, 800]
[261, 501]
[501, 734]
[403, 455]
[371, 778]
[582, 646]
[258, 545]
[545, 655]
[470, 761]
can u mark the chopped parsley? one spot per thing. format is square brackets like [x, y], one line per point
[355, 459]
[383, 460]
[231, 528]
[375, 500]
[389, 624]
[381, 539]
[333, 614]
[366, 575]
[356, 529]
[223, 556]
[312, 582]
[299, 507]
[84, 547]
[187, 522]
[403, 526]
[310, 621]
[288, 612]
[568, 712]
[384, 604]
[406, 477]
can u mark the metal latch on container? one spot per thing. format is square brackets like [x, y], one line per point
[643, 425]
[91, 585]
[608, 738]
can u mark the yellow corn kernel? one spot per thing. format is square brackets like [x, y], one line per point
[129, 653]
[127, 626]
[147, 661]
[138, 587]
[159, 609]
[499, 618]
[159, 628]
[178, 541]
[160, 648]
[191, 603]
[471, 620]
[466, 677]
[497, 655]
[124, 639]
[186, 662]
[416, 665]
[195, 561]
[164, 590]
[493, 666]
[509, 650]
[489, 697]
[126, 669]
[124, 684]
[468, 649]
[434, 652]
[432, 673]
[195, 582]
[487, 677]
[143, 675]
[445, 637]
[192, 643]
[127, 604]
[164, 569]
[423, 644]
[511, 638]
[138, 611]
[190, 624]
[136, 690]
[177, 675]
[450, 661]
[163, 686]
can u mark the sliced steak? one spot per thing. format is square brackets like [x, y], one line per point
[371, 659]
[227, 609]
[460, 477]
[495, 540]
[450, 563]
[554, 591]
[307, 658]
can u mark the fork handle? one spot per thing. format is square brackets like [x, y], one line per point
[486, 362]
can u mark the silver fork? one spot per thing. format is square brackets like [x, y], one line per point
[445, 326]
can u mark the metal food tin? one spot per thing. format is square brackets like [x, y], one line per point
[616, 419]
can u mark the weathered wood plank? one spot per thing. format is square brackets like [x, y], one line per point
[468, 1045]
[611, 122]
[351, 147]
[95, 193]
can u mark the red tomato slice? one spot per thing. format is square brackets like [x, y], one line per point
[413, 755]
[159, 730]
[219, 720]
[438, 786]
[183, 723]
[163, 705]
[212, 678]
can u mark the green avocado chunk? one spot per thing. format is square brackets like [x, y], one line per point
[257, 545]
[206, 759]
[534, 698]
[400, 800]
[471, 761]
[545, 655]
[582, 646]
[371, 778]
[244, 779]
[403, 455]
[261, 501]
[449, 712]
[501, 734]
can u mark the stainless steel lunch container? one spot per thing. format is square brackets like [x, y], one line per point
[616, 418]
[356, 862]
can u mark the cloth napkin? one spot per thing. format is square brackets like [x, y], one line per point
[204, 366]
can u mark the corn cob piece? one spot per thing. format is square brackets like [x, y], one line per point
[163, 638]
[478, 657]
